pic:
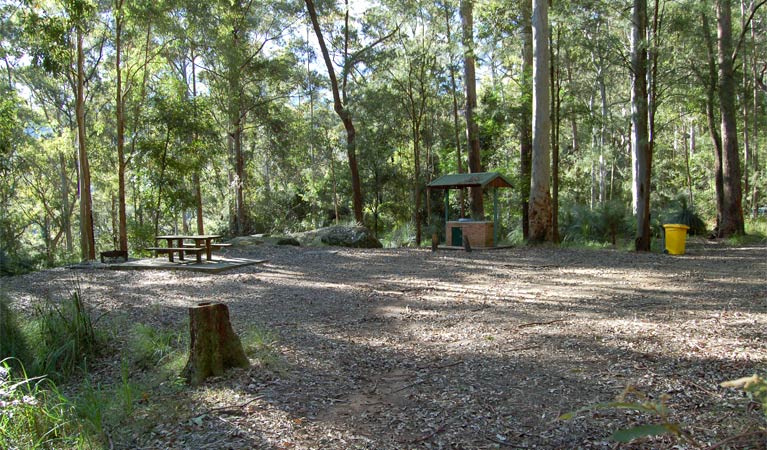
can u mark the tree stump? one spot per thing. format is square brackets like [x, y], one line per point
[214, 347]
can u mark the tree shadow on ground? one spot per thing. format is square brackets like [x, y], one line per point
[407, 348]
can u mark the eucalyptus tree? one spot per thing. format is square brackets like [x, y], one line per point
[470, 84]
[721, 88]
[540, 196]
[57, 35]
[236, 61]
[641, 149]
[525, 126]
[133, 24]
[54, 103]
[449, 12]
[414, 77]
[508, 26]
[13, 224]
[352, 53]
[732, 194]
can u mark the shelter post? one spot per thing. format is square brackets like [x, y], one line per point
[495, 216]
[447, 208]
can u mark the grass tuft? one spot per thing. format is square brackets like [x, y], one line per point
[34, 414]
[66, 338]
[13, 342]
[261, 344]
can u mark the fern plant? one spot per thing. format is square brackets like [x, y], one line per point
[685, 214]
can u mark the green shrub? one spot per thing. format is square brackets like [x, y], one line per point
[35, 415]
[149, 346]
[685, 214]
[13, 342]
[756, 233]
[604, 224]
[66, 336]
[401, 236]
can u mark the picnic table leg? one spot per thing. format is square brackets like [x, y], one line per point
[170, 253]
[208, 248]
[181, 252]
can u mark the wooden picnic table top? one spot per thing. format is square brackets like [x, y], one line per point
[189, 236]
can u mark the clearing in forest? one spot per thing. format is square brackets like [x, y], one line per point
[407, 348]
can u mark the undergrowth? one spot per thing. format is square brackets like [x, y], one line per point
[607, 224]
[34, 414]
[65, 338]
[756, 233]
[59, 342]
[261, 344]
[681, 212]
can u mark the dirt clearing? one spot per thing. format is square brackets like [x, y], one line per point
[392, 349]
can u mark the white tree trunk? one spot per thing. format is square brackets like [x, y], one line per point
[641, 155]
[540, 197]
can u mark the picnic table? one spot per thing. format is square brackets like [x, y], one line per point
[175, 244]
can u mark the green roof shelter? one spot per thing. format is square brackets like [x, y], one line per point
[469, 180]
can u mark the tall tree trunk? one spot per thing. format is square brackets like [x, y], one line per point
[602, 133]
[712, 81]
[137, 207]
[120, 110]
[87, 240]
[235, 138]
[341, 110]
[540, 197]
[745, 94]
[732, 212]
[525, 123]
[417, 183]
[456, 120]
[688, 152]
[641, 150]
[196, 176]
[755, 121]
[573, 116]
[66, 221]
[239, 171]
[556, 102]
[161, 181]
[113, 216]
[470, 82]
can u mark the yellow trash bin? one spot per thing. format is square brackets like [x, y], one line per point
[676, 235]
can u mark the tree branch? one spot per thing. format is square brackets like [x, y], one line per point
[745, 28]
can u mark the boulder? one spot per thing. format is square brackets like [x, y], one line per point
[246, 241]
[340, 236]
[287, 240]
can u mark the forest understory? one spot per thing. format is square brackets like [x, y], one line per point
[406, 348]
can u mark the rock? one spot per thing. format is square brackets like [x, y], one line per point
[356, 237]
[246, 241]
[341, 236]
[287, 240]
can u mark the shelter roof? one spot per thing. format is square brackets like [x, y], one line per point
[462, 180]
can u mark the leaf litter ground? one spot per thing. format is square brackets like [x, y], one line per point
[405, 348]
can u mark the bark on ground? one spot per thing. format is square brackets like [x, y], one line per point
[405, 348]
